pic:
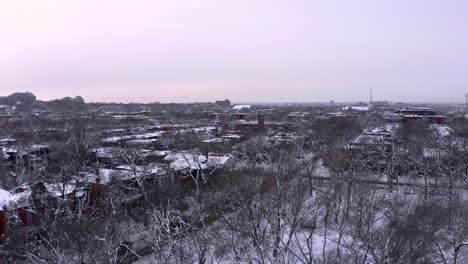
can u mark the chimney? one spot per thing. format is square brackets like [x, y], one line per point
[261, 121]
[98, 176]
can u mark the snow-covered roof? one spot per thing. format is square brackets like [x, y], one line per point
[5, 197]
[337, 114]
[239, 107]
[232, 136]
[142, 141]
[185, 161]
[126, 172]
[14, 150]
[134, 137]
[369, 139]
[60, 189]
[387, 130]
[149, 169]
[114, 130]
[107, 152]
[7, 140]
[442, 130]
[13, 201]
[218, 160]
[357, 108]
[213, 140]
[189, 163]
[204, 129]
[299, 114]
[37, 146]
[161, 153]
[432, 152]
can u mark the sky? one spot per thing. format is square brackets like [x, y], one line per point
[244, 50]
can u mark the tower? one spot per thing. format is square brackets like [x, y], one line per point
[466, 98]
[371, 99]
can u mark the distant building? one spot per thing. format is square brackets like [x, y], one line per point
[380, 104]
[415, 114]
[421, 111]
[298, 116]
[225, 103]
[242, 124]
[357, 108]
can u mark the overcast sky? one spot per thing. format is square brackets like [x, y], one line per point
[244, 50]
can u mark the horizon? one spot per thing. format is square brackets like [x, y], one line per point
[261, 51]
[344, 102]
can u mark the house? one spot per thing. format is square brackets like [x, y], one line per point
[11, 202]
[33, 157]
[7, 119]
[254, 125]
[298, 116]
[186, 163]
[373, 146]
[146, 138]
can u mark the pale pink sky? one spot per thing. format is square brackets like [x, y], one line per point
[245, 50]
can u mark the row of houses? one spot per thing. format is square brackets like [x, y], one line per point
[22, 206]
[376, 146]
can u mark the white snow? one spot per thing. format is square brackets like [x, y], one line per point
[232, 136]
[161, 153]
[213, 140]
[240, 107]
[185, 161]
[134, 137]
[357, 108]
[188, 161]
[5, 197]
[441, 130]
[59, 189]
[13, 201]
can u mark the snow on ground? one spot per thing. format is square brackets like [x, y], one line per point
[322, 242]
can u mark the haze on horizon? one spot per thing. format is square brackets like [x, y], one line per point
[244, 50]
